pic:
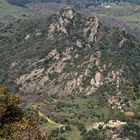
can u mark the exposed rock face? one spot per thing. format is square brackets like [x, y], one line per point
[66, 18]
[59, 67]
[78, 44]
[35, 73]
[53, 54]
[27, 37]
[68, 13]
[98, 78]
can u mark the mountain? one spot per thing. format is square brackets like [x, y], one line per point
[77, 70]
[70, 51]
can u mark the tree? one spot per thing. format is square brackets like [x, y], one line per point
[55, 132]
[9, 110]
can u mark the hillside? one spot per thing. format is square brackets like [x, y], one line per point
[73, 2]
[12, 12]
[76, 70]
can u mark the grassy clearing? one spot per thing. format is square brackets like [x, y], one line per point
[85, 110]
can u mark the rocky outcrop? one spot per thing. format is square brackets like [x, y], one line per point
[120, 45]
[109, 124]
[68, 12]
[91, 29]
[79, 43]
[53, 54]
[65, 18]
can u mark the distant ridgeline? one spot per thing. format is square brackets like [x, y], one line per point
[73, 2]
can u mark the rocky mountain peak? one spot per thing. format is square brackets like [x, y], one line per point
[67, 20]
[64, 19]
[68, 12]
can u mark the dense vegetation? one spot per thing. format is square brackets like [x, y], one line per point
[14, 123]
